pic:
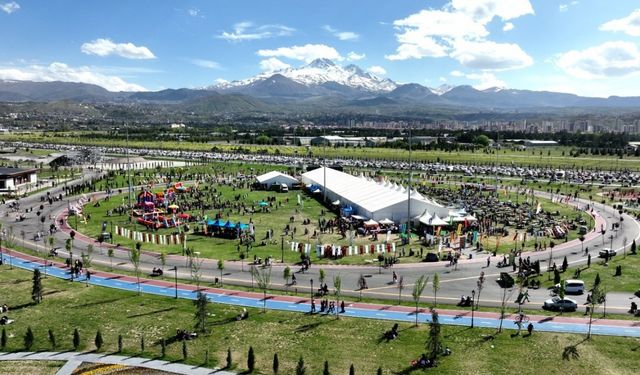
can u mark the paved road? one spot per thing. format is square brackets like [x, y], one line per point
[454, 282]
[302, 304]
[75, 359]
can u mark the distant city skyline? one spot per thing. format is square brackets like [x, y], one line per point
[586, 47]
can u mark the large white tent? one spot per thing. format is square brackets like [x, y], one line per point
[275, 178]
[375, 200]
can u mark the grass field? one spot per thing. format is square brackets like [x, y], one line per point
[343, 342]
[30, 367]
[556, 157]
[218, 248]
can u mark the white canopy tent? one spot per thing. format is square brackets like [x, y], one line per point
[275, 178]
[370, 199]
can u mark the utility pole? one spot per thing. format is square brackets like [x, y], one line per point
[409, 193]
[128, 167]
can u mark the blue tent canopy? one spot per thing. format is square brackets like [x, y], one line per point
[216, 223]
[229, 224]
[242, 226]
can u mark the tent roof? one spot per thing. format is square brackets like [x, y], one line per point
[363, 193]
[273, 174]
[386, 221]
[370, 223]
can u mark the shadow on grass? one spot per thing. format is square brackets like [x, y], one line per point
[310, 326]
[222, 322]
[102, 302]
[571, 352]
[151, 312]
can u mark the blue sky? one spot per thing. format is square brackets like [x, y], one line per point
[588, 47]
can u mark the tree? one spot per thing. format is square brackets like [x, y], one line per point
[163, 347]
[596, 296]
[286, 274]
[134, 257]
[300, 369]
[482, 140]
[163, 260]
[561, 294]
[418, 288]
[325, 370]
[436, 286]
[76, 339]
[597, 281]
[322, 275]
[503, 305]
[36, 288]
[276, 363]
[221, 268]
[242, 257]
[337, 286]
[185, 353]
[352, 370]
[251, 360]
[400, 287]
[202, 311]
[52, 340]
[263, 278]
[110, 255]
[480, 285]
[98, 340]
[229, 358]
[142, 345]
[119, 343]
[565, 264]
[434, 341]
[379, 372]
[28, 339]
[3, 339]
[195, 267]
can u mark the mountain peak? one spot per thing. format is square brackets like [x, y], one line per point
[321, 63]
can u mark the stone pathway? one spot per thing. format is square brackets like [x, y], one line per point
[75, 359]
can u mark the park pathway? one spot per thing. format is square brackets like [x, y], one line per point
[608, 327]
[75, 359]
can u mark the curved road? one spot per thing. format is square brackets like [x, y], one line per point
[454, 282]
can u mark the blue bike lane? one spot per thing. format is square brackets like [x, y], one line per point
[608, 327]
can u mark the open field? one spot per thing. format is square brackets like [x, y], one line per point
[557, 157]
[30, 367]
[475, 351]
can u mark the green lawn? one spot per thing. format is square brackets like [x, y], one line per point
[30, 367]
[348, 341]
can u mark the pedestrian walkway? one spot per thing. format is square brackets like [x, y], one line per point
[75, 359]
[608, 327]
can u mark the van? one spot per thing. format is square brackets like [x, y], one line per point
[574, 286]
[284, 188]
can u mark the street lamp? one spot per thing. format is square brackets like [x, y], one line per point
[282, 247]
[175, 269]
[473, 299]
[311, 280]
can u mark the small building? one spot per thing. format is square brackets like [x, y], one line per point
[268, 180]
[537, 143]
[15, 179]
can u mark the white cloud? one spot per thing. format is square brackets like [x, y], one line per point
[246, 30]
[306, 53]
[610, 59]
[487, 55]
[443, 79]
[105, 47]
[486, 81]
[272, 64]
[194, 12]
[10, 7]
[508, 26]
[58, 71]
[352, 56]
[376, 69]
[220, 81]
[458, 24]
[563, 7]
[629, 25]
[209, 64]
[457, 73]
[342, 35]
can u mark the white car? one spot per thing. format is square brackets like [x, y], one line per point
[572, 287]
[556, 303]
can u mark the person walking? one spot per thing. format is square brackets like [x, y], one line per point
[530, 328]
[488, 261]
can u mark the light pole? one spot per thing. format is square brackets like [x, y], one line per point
[282, 247]
[175, 270]
[311, 280]
[473, 299]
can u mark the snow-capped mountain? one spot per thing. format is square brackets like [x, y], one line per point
[442, 89]
[318, 73]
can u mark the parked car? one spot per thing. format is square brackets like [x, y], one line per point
[571, 287]
[603, 253]
[556, 303]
